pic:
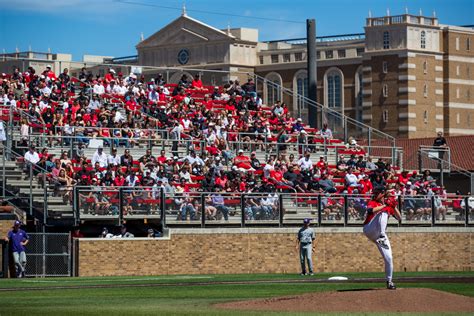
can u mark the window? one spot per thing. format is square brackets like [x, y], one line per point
[286, 58]
[425, 117]
[261, 60]
[318, 55]
[298, 56]
[272, 88]
[360, 51]
[425, 90]
[425, 67]
[385, 67]
[423, 39]
[385, 116]
[468, 94]
[468, 43]
[457, 43]
[457, 70]
[334, 89]
[274, 59]
[386, 40]
[341, 53]
[468, 72]
[385, 90]
[301, 86]
[458, 118]
[329, 54]
[458, 93]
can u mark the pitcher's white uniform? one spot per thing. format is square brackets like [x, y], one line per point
[374, 229]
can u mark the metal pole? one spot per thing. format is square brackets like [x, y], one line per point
[346, 213]
[466, 210]
[203, 210]
[45, 202]
[320, 210]
[369, 139]
[242, 208]
[31, 187]
[162, 207]
[280, 209]
[433, 212]
[4, 176]
[312, 70]
[441, 172]
[44, 252]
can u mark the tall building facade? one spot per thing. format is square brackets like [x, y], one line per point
[406, 75]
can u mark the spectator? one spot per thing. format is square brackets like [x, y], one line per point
[105, 233]
[124, 233]
[217, 200]
[113, 159]
[326, 184]
[326, 132]
[100, 157]
[31, 159]
[305, 163]
[440, 144]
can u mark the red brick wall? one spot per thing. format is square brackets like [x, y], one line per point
[273, 252]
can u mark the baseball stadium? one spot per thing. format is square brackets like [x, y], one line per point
[264, 169]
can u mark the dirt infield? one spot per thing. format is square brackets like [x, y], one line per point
[415, 300]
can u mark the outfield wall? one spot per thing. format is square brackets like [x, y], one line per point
[252, 250]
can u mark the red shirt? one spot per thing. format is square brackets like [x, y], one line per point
[196, 83]
[372, 204]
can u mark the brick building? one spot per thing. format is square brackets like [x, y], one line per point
[406, 75]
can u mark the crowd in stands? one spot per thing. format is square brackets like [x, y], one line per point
[208, 120]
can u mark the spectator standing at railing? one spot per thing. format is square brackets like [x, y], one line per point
[440, 144]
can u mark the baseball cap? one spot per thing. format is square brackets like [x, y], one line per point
[306, 221]
[17, 223]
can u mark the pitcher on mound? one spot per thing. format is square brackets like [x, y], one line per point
[380, 207]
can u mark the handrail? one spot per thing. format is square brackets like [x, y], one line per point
[345, 205]
[324, 108]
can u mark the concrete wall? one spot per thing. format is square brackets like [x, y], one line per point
[225, 251]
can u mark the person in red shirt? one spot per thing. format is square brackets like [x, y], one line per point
[242, 161]
[321, 164]
[162, 157]
[197, 83]
[49, 73]
[379, 208]
[110, 76]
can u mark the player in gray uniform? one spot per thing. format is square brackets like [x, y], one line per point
[304, 243]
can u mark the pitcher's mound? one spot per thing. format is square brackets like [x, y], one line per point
[401, 300]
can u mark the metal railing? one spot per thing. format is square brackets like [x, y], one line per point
[342, 126]
[176, 207]
[264, 147]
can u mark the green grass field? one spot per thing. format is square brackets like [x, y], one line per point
[178, 295]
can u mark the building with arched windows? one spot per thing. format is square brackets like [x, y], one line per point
[406, 75]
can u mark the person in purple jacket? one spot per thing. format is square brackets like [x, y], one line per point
[18, 239]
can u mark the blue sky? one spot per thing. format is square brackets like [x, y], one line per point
[113, 28]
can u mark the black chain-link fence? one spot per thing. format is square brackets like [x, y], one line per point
[48, 254]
